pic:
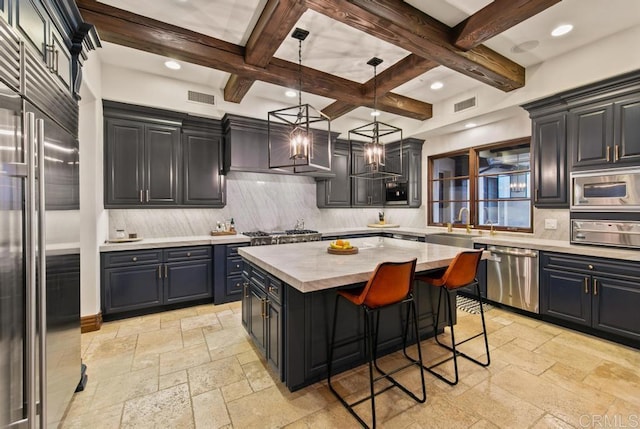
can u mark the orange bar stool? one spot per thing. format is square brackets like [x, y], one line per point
[390, 284]
[460, 273]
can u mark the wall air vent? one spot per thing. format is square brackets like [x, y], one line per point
[200, 97]
[464, 104]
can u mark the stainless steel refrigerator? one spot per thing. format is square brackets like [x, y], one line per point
[40, 365]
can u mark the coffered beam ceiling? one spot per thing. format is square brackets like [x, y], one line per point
[431, 43]
[139, 32]
[494, 18]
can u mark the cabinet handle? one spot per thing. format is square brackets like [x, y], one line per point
[237, 266]
[55, 61]
[140, 195]
[159, 271]
[616, 153]
[595, 286]
[147, 195]
[270, 289]
[188, 254]
[266, 309]
[262, 307]
[166, 271]
[246, 289]
[608, 150]
[49, 50]
[134, 259]
[537, 194]
[586, 285]
[590, 266]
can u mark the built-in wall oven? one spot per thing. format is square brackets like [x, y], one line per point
[605, 207]
[396, 193]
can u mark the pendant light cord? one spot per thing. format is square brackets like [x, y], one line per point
[299, 81]
[375, 94]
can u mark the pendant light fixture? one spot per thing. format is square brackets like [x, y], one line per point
[293, 144]
[375, 133]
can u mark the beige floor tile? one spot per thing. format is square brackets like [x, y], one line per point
[230, 319]
[188, 357]
[236, 390]
[145, 360]
[258, 375]
[172, 379]
[243, 348]
[603, 349]
[334, 416]
[625, 413]
[551, 422]
[214, 375]
[166, 324]
[106, 418]
[483, 424]
[567, 405]
[178, 314]
[226, 337]
[112, 347]
[160, 341]
[535, 363]
[210, 308]
[168, 408]
[193, 337]
[563, 352]
[210, 410]
[126, 386]
[138, 326]
[620, 381]
[106, 368]
[199, 321]
[438, 412]
[530, 333]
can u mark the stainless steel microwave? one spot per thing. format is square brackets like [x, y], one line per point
[606, 190]
[396, 193]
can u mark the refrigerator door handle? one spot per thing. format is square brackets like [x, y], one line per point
[31, 258]
[42, 267]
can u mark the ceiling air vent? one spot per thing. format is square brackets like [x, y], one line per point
[464, 104]
[200, 97]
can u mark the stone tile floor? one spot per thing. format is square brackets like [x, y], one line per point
[196, 367]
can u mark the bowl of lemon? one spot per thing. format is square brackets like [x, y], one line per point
[341, 247]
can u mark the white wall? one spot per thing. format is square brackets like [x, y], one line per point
[93, 218]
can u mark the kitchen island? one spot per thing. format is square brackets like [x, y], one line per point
[289, 292]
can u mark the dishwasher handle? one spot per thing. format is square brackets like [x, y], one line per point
[505, 252]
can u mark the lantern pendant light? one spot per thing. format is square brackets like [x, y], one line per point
[291, 140]
[374, 150]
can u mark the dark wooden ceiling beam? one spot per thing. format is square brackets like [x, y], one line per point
[146, 34]
[400, 24]
[399, 73]
[276, 21]
[493, 19]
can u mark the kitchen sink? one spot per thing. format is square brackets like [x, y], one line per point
[451, 239]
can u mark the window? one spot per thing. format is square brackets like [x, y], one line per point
[484, 186]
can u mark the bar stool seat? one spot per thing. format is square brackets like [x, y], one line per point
[389, 285]
[461, 273]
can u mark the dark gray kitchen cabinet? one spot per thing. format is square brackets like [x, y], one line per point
[336, 191]
[141, 163]
[626, 125]
[600, 294]
[364, 192]
[550, 160]
[410, 168]
[5, 10]
[591, 135]
[246, 144]
[228, 281]
[203, 183]
[141, 279]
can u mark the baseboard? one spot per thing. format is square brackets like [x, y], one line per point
[91, 323]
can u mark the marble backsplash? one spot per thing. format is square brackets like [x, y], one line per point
[271, 202]
[255, 201]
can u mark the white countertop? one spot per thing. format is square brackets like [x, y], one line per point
[63, 249]
[308, 267]
[500, 239]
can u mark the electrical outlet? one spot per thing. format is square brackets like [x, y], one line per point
[551, 224]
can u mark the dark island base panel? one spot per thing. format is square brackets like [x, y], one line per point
[152, 310]
[307, 326]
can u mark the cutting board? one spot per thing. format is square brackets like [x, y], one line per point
[383, 225]
[351, 251]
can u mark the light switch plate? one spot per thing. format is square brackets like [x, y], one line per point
[551, 224]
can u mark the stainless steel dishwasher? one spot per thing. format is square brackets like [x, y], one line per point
[512, 277]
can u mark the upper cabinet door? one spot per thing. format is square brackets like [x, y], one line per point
[202, 163]
[591, 135]
[626, 139]
[5, 11]
[33, 23]
[60, 59]
[550, 168]
[124, 152]
[162, 145]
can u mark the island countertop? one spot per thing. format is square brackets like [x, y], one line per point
[308, 267]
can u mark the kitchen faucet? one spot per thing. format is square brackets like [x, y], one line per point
[469, 226]
[492, 231]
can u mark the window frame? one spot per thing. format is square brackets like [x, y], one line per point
[474, 178]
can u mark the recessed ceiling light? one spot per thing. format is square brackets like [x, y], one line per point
[470, 125]
[375, 113]
[291, 93]
[437, 85]
[561, 30]
[173, 65]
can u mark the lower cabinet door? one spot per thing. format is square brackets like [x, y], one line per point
[187, 281]
[615, 306]
[130, 288]
[566, 296]
[274, 329]
[256, 318]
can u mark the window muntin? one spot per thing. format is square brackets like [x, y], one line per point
[493, 182]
